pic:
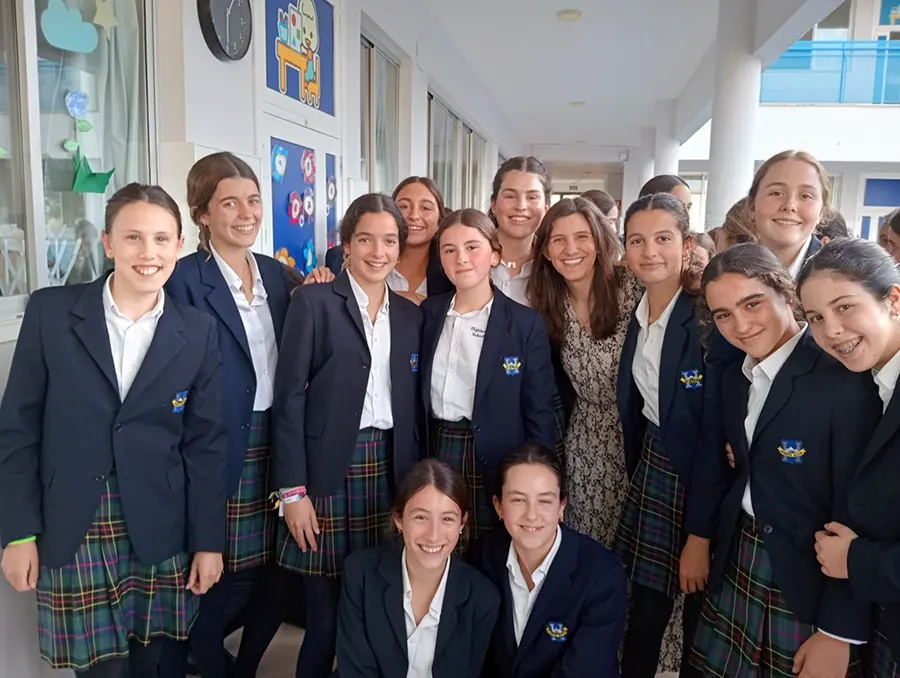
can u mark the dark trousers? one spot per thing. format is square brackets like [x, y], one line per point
[141, 662]
[650, 614]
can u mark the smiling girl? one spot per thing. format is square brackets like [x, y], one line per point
[487, 379]
[769, 609]
[851, 294]
[113, 453]
[445, 608]
[346, 416]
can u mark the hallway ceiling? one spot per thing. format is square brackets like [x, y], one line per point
[622, 58]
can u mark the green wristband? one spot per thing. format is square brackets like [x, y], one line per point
[26, 540]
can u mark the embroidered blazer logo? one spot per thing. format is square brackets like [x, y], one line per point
[791, 451]
[512, 365]
[557, 631]
[179, 401]
[692, 379]
[414, 362]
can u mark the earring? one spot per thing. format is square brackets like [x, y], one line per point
[461, 530]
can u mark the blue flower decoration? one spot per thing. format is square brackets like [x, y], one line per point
[309, 257]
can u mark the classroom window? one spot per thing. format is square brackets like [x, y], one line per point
[379, 119]
[456, 158]
[444, 133]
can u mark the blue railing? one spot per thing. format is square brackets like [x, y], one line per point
[826, 72]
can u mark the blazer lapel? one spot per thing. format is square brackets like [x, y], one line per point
[455, 595]
[276, 290]
[389, 569]
[221, 300]
[167, 342]
[799, 362]
[884, 432]
[555, 586]
[343, 288]
[434, 326]
[495, 339]
[734, 421]
[401, 361]
[673, 344]
[625, 386]
[92, 329]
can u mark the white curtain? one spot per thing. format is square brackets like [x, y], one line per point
[386, 95]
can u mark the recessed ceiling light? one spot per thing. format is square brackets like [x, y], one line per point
[568, 14]
[577, 104]
[587, 173]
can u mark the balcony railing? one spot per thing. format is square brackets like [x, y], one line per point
[826, 72]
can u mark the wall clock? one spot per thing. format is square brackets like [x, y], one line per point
[227, 27]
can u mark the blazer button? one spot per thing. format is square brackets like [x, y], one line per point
[100, 478]
[476, 429]
[244, 427]
[768, 529]
[118, 428]
[365, 367]
[483, 460]
[250, 390]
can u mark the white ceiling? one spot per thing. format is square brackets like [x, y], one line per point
[622, 58]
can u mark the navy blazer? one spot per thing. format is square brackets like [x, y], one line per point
[320, 387]
[576, 625]
[64, 430]
[438, 282]
[371, 641]
[793, 497]
[683, 401]
[198, 281]
[874, 559]
[514, 386]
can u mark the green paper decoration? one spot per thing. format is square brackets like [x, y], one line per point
[3, 153]
[86, 180]
[70, 145]
[83, 126]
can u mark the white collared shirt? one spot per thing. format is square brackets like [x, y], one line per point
[513, 286]
[797, 263]
[377, 412]
[256, 317]
[398, 283]
[886, 380]
[761, 376]
[421, 639]
[129, 340]
[456, 358]
[648, 352]
[523, 599]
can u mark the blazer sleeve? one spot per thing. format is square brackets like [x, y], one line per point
[354, 653]
[204, 448]
[594, 647]
[853, 417]
[487, 610]
[289, 402]
[539, 387]
[874, 568]
[21, 424]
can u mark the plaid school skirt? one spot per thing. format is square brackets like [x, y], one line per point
[90, 609]
[357, 517]
[648, 539]
[746, 629]
[250, 517]
[453, 442]
[879, 659]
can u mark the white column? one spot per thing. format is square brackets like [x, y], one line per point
[631, 182]
[646, 165]
[665, 157]
[413, 120]
[734, 110]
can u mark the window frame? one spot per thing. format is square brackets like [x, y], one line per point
[464, 192]
[373, 51]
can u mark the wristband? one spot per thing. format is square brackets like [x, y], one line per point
[26, 540]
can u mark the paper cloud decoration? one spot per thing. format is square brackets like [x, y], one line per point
[64, 28]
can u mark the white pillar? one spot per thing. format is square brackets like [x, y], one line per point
[413, 120]
[667, 147]
[631, 183]
[646, 166]
[734, 110]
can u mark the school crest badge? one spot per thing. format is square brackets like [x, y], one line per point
[791, 451]
[512, 365]
[557, 631]
[179, 401]
[414, 362]
[692, 380]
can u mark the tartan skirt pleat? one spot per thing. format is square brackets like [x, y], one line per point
[879, 659]
[250, 516]
[357, 517]
[746, 629]
[453, 442]
[90, 609]
[648, 539]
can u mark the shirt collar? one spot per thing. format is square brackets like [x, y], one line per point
[772, 365]
[110, 304]
[512, 562]
[438, 601]
[643, 311]
[484, 312]
[797, 264]
[362, 299]
[232, 279]
[887, 376]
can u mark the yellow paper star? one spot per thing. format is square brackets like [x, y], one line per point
[105, 18]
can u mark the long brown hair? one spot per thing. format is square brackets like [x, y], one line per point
[547, 289]
[521, 163]
[802, 156]
[432, 188]
[202, 181]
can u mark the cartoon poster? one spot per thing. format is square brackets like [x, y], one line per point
[300, 51]
[331, 205]
[294, 204]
